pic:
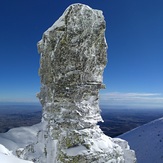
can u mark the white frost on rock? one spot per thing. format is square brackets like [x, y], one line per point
[129, 155]
[78, 150]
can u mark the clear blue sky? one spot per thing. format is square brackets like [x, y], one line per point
[134, 35]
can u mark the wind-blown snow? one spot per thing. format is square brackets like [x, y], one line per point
[147, 141]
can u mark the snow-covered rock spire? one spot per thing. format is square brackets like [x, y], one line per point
[73, 58]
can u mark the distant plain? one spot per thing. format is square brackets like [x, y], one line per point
[116, 120]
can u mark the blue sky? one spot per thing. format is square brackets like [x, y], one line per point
[134, 34]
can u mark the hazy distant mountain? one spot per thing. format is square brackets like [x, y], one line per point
[147, 141]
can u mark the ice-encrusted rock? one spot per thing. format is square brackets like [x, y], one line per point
[73, 58]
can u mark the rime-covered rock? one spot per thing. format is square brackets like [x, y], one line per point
[73, 58]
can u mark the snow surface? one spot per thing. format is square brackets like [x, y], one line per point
[147, 141]
[76, 150]
[14, 139]
[6, 156]
[18, 138]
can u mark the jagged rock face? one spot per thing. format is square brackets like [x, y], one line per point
[73, 58]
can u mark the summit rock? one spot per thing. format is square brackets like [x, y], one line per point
[73, 57]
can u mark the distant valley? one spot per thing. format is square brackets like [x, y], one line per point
[120, 120]
[116, 121]
[12, 116]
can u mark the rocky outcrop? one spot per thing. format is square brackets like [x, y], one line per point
[73, 58]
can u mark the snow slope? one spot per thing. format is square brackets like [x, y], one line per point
[18, 138]
[7, 157]
[147, 141]
[14, 139]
